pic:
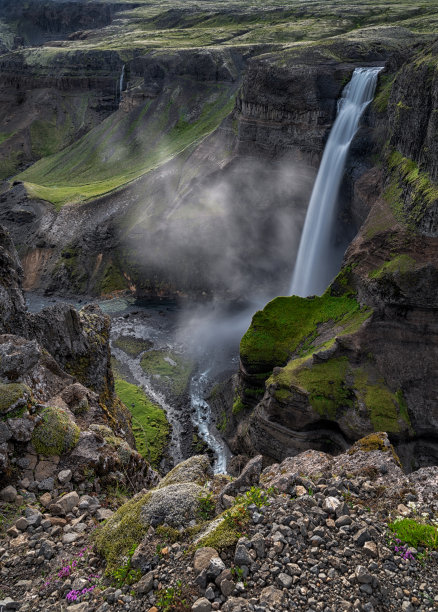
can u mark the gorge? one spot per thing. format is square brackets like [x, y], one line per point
[218, 305]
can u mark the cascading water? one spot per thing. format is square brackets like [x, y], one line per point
[121, 81]
[318, 260]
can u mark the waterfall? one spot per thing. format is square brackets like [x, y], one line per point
[317, 260]
[122, 78]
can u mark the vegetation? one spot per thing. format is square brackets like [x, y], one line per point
[289, 325]
[149, 423]
[56, 433]
[131, 345]
[168, 368]
[125, 574]
[415, 533]
[123, 531]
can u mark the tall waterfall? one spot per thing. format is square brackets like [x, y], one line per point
[317, 261]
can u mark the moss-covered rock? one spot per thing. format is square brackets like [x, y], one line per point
[175, 505]
[56, 433]
[13, 396]
[122, 531]
[196, 469]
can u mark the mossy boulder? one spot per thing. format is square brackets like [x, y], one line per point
[56, 433]
[13, 397]
[176, 505]
[196, 469]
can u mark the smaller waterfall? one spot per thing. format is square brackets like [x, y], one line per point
[121, 81]
[317, 261]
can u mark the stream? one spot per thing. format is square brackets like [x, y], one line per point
[207, 335]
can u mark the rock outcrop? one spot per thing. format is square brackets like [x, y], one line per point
[58, 407]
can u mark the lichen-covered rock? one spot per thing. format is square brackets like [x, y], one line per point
[56, 433]
[373, 456]
[194, 469]
[14, 396]
[176, 505]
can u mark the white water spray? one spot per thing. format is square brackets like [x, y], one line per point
[317, 261]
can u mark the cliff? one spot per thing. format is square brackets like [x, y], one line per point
[326, 371]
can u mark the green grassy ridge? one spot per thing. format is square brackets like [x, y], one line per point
[126, 146]
[149, 423]
[335, 386]
[131, 345]
[290, 324]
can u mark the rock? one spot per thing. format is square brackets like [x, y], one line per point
[331, 504]
[361, 537]
[176, 505]
[8, 494]
[9, 604]
[44, 469]
[22, 524]
[284, 580]
[250, 476]
[228, 501]
[300, 491]
[146, 584]
[242, 556]
[102, 514]
[64, 476]
[362, 575]
[66, 503]
[272, 597]
[215, 568]
[201, 605]
[21, 429]
[48, 484]
[342, 521]
[370, 549]
[5, 432]
[226, 587]
[46, 500]
[196, 469]
[68, 538]
[202, 558]
[258, 543]
[33, 516]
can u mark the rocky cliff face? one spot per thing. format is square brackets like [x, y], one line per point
[341, 366]
[57, 401]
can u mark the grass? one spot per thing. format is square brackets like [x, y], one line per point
[126, 146]
[149, 423]
[414, 533]
[131, 345]
[168, 368]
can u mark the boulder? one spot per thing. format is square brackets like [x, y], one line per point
[195, 469]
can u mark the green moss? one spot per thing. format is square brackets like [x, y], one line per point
[383, 405]
[224, 535]
[168, 368]
[383, 92]
[126, 146]
[410, 190]
[325, 382]
[123, 531]
[113, 280]
[149, 423]
[373, 442]
[131, 345]
[400, 264]
[167, 534]
[12, 394]
[289, 323]
[56, 433]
